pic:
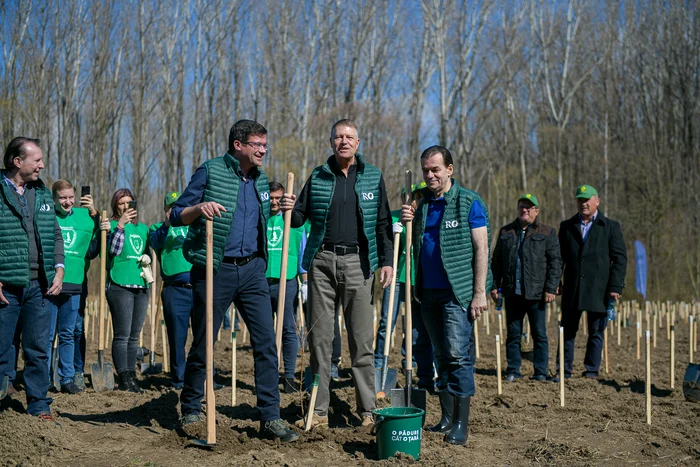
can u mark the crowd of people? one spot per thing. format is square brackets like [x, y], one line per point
[341, 236]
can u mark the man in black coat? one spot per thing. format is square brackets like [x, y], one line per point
[526, 267]
[595, 263]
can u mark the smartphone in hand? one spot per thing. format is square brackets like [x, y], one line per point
[132, 204]
[84, 191]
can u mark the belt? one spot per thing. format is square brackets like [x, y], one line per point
[272, 280]
[240, 261]
[341, 250]
[186, 285]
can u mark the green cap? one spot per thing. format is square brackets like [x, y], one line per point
[170, 199]
[529, 197]
[586, 192]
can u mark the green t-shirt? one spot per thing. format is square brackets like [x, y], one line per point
[275, 230]
[172, 260]
[78, 230]
[401, 268]
[125, 268]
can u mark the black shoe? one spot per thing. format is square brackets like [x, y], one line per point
[459, 432]
[127, 382]
[278, 429]
[555, 378]
[123, 381]
[290, 386]
[590, 375]
[511, 377]
[79, 380]
[218, 386]
[446, 407]
[540, 378]
[71, 388]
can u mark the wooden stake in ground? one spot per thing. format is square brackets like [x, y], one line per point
[488, 327]
[648, 377]
[211, 402]
[639, 349]
[690, 339]
[498, 363]
[283, 273]
[561, 365]
[619, 329]
[233, 365]
[605, 350]
[500, 323]
[673, 349]
[656, 318]
[312, 403]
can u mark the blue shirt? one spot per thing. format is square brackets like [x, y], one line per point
[586, 228]
[433, 271]
[243, 239]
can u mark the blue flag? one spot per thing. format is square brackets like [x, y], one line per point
[641, 260]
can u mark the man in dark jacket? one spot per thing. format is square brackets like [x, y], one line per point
[526, 267]
[595, 263]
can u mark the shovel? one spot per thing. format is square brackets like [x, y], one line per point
[281, 293]
[385, 379]
[408, 397]
[152, 368]
[55, 379]
[210, 441]
[101, 373]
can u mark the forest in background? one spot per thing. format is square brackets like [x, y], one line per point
[537, 96]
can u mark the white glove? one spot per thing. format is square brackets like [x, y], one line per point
[144, 260]
[397, 227]
[147, 275]
[304, 292]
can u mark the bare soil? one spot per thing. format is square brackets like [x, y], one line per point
[603, 422]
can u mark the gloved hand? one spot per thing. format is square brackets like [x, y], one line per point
[397, 227]
[304, 292]
[147, 275]
[144, 260]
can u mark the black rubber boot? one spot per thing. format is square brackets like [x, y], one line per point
[446, 406]
[123, 381]
[460, 422]
[133, 385]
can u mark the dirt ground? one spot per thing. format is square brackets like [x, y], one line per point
[603, 422]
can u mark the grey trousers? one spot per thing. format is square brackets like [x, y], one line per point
[344, 280]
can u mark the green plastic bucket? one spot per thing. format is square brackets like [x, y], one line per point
[398, 429]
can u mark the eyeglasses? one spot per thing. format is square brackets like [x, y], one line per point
[520, 208]
[256, 145]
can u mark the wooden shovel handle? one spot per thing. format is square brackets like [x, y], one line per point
[103, 284]
[283, 271]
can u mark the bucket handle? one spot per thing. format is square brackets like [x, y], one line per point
[378, 422]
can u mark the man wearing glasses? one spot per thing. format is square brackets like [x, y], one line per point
[234, 192]
[31, 270]
[346, 203]
[526, 267]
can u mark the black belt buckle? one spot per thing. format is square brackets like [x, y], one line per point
[341, 250]
[240, 261]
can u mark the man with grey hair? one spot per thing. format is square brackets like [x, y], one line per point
[31, 270]
[346, 203]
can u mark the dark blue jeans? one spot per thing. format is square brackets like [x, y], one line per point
[79, 336]
[422, 347]
[29, 307]
[290, 339]
[594, 347]
[516, 309]
[127, 307]
[177, 309]
[247, 288]
[67, 308]
[451, 330]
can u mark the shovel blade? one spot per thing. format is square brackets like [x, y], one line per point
[102, 376]
[398, 398]
[389, 383]
[151, 368]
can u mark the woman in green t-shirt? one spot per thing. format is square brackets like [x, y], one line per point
[79, 226]
[127, 290]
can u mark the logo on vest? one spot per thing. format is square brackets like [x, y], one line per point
[451, 224]
[265, 196]
[69, 237]
[367, 196]
[45, 208]
[136, 243]
[274, 236]
[178, 234]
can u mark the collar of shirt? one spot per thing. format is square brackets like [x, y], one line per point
[580, 219]
[335, 168]
[10, 183]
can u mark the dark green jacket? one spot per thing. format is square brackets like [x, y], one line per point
[456, 247]
[222, 187]
[14, 246]
[322, 186]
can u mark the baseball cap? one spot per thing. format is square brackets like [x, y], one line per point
[170, 199]
[586, 192]
[529, 197]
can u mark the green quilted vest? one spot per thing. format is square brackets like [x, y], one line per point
[77, 231]
[322, 187]
[171, 259]
[222, 187]
[275, 230]
[14, 247]
[455, 241]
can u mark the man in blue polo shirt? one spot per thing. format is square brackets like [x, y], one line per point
[451, 237]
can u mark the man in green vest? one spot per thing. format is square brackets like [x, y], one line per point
[297, 243]
[451, 248]
[167, 242]
[233, 191]
[346, 202]
[31, 270]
